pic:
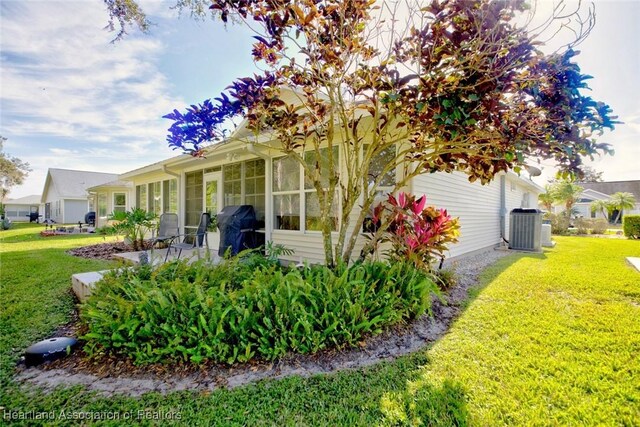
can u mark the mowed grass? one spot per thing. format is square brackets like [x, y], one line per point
[553, 339]
[550, 339]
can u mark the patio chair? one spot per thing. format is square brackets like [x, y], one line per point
[168, 229]
[191, 240]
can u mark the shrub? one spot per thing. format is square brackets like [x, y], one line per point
[559, 223]
[5, 224]
[247, 307]
[631, 226]
[417, 233]
[599, 226]
[583, 225]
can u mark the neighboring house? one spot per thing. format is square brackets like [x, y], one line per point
[20, 209]
[65, 196]
[108, 198]
[603, 191]
[235, 173]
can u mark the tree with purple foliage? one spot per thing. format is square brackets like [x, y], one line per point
[449, 85]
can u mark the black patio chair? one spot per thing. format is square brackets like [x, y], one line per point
[191, 240]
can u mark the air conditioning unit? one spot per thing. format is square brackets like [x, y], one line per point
[525, 226]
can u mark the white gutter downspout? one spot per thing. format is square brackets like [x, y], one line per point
[503, 206]
[268, 226]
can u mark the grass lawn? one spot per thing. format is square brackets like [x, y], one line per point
[549, 339]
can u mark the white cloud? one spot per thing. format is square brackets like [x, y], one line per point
[64, 83]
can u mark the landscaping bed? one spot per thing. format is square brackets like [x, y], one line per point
[117, 375]
[104, 251]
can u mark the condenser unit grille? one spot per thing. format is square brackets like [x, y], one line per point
[525, 227]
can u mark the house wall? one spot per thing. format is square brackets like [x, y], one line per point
[518, 196]
[53, 198]
[102, 221]
[19, 212]
[74, 211]
[477, 206]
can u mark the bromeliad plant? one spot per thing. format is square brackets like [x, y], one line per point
[417, 233]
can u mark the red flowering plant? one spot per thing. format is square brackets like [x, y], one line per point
[416, 232]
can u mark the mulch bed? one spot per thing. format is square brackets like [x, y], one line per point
[103, 250]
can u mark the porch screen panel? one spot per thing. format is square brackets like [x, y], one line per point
[193, 199]
[254, 188]
[233, 184]
[170, 195]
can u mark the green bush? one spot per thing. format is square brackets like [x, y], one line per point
[631, 226]
[247, 307]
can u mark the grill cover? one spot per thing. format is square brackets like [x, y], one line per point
[237, 225]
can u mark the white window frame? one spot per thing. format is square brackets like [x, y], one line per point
[114, 206]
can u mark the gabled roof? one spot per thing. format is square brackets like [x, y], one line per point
[73, 184]
[612, 187]
[33, 199]
[112, 184]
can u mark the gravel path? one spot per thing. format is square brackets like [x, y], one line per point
[133, 381]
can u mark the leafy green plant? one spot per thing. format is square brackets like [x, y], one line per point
[246, 308]
[133, 225]
[631, 226]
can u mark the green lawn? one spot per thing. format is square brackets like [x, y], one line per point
[551, 339]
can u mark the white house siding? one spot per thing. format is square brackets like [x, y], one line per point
[74, 211]
[517, 196]
[477, 206]
[19, 212]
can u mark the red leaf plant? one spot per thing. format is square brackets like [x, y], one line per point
[417, 233]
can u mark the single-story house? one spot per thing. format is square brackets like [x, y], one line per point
[19, 210]
[110, 197]
[65, 195]
[235, 173]
[603, 191]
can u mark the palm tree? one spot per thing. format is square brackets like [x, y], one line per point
[547, 198]
[621, 201]
[567, 192]
[603, 206]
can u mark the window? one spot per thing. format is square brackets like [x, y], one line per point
[286, 193]
[244, 184]
[386, 184]
[102, 205]
[141, 196]
[233, 184]
[378, 164]
[294, 192]
[119, 202]
[254, 184]
[313, 218]
[193, 199]
[158, 197]
[170, 195]
[154, 192]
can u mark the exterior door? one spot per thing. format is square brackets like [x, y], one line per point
[213, 203]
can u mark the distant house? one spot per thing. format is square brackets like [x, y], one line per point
[65, 195]
[602, 191]
[21, 208]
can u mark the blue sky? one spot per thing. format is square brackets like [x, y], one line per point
[70, 99]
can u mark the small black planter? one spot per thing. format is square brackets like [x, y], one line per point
[48, 350]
